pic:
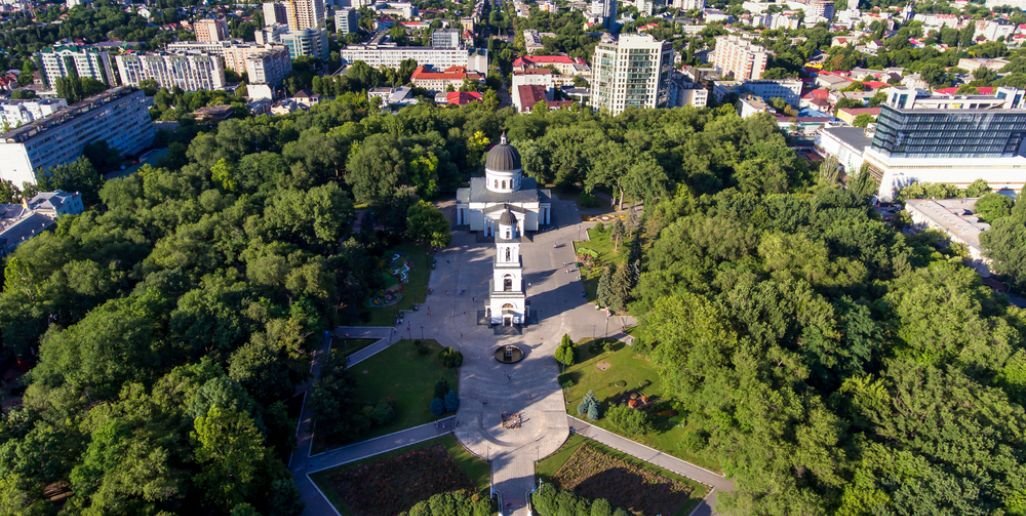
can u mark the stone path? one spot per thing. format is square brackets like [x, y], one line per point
[715, 481]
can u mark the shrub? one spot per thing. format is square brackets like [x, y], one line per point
[461, 502]
[441, 388]
[438, 407]
[380, 414]
[565, 352]
[452, 401]
[589, 407]
[628, 420]
[450, 357]
[600, 227]
[548, 500]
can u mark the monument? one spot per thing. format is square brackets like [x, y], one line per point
[507, 301]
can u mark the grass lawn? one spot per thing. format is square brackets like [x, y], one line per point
[601, 243]
[593, 471]
[392, 482]
[619, 372]
[349, 346]
[404, 376]
[414, 291]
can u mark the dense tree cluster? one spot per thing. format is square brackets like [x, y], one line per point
[548, 500]
[829, 363]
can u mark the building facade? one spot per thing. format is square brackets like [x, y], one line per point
[15, 113]
[603, 12]
[507, 299]
[446, 38]
[304, 14]
[210, 30]
[441, 80]
[74, 61]
[306, 42]
[269, 66]
[274, 14]
[347, 20]
[392, 56]
[190, 72]
[119, 116]
[632, 72]
[739, 58]
[688, 5]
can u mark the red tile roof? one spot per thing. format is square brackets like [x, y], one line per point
[461, 98]
[875, 85]
[536, 61]
[530, 94]
[453, 73]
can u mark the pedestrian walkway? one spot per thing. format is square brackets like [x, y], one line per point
[715, 481]
[378, 445]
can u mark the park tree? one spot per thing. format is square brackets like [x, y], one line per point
[993, 206]
[78, 176]
[565, 352]
[230, 451]
[863, 120]
[427, 225]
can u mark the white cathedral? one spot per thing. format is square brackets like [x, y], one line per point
[503, 188]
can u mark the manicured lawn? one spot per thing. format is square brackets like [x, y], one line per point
[601, 242]
[403, 375]
[406, 377]
[414, 291]
[617, 373]
[349, 346]
[592, 470]
[393, 482]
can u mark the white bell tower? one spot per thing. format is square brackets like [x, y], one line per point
[507, 302]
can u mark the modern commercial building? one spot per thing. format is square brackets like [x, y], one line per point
[119, 116]
[210, 30]
[686, 93]
[788, 90]
[954, 139]
[306, 42]
[189, 72]
[347, 20]
[268, 66]
[274, 14]
[739, 59]
[304, 14]
[632, 72]
[446, 38]
[74, 61]
[391, 56]
[15, 113]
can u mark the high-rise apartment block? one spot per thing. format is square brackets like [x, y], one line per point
[274, 14]
[74, 61]
[306, 42]
[233, 54]
[119, 116]
[604, 12]
[446, 38]
[189, 72]
[268, 66]
[347, 20]
[304, 14]
[739, 58]
[15, 113]
[210, 30]
[632, 72]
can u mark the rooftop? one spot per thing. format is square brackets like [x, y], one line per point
[855, 137]
[955, 216]
[59, 117]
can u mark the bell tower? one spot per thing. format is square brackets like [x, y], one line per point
[507, 302]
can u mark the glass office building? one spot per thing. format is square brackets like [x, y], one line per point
[942, 133]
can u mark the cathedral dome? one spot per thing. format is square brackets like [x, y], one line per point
[507, 218]
[503, 157]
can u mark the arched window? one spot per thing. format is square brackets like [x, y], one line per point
[508, 234]
[503, 184]
[507, 309]
[507, 283]
[508, 255]
[495, 183]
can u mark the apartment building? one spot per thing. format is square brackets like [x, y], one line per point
[15, 113]
[306, 42]
[347, 20]
[189, 72]
[391, 56]
[688, 5]
[739, 59]
[304, 14]
[274, 14]
[210, 30]
[118, 116]
[268, 66]
[446, 38]
[632, 72]
[74, 61]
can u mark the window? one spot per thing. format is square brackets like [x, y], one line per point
[508, 236]
[507, 283]
[508, 255]
[503, 184]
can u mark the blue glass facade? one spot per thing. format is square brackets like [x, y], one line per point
[928, 133]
